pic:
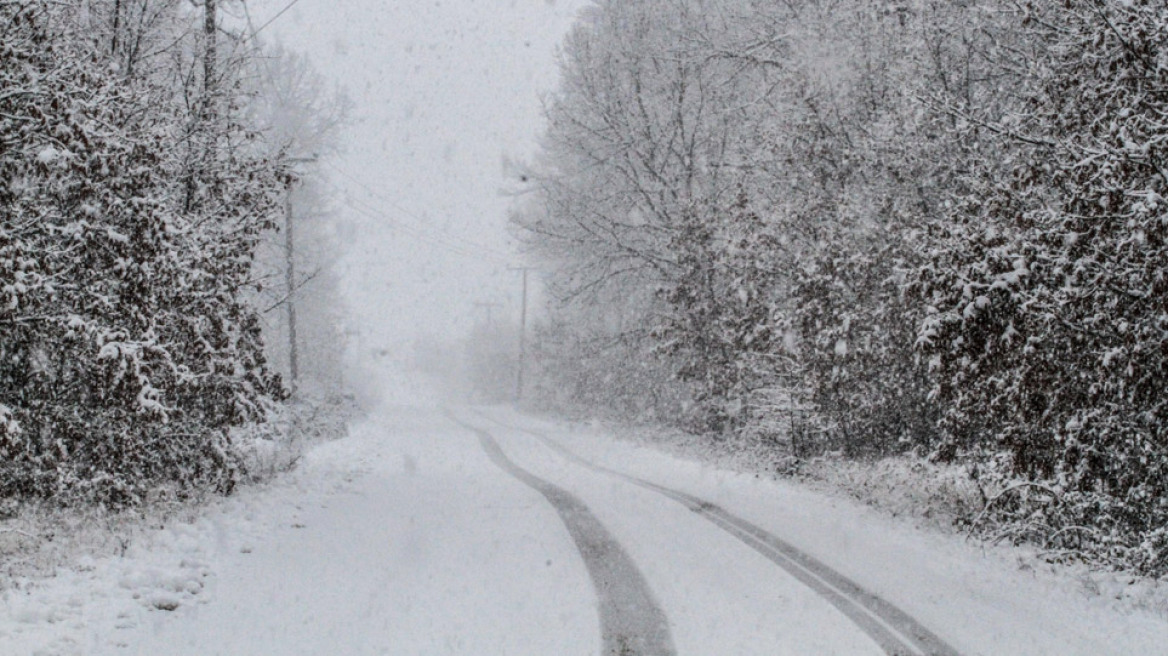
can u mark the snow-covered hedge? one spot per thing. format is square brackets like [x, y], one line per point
[929, 226]
[128, 223]
[1044, 292]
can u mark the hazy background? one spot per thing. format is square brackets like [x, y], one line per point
[444, 92]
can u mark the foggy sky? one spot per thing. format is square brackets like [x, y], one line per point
[444, 91]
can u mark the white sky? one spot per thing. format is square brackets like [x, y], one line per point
[444, 90]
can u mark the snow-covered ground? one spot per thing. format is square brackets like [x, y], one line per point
[406, 538]
[979, 601]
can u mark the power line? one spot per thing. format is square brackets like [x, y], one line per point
[260, 55]
[273, 18]
[369, 211]
[420, 231]
[406, 230]
[422, 224]
[373, 213]
[455, 247]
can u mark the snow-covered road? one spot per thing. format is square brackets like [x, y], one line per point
[486, 532]
[892, 629]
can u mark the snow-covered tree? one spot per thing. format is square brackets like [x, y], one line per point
[646, 154]
[715, 152]
[128, 351]
[1045, 292]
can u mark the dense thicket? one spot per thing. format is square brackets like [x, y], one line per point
[131, 202]
[1045, 294]
[919, 225]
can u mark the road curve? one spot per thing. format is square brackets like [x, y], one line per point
[631, 620]
[897, 633]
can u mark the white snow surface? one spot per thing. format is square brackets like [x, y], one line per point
[404, 538]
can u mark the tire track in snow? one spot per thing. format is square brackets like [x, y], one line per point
[631, 621]
[897, 633]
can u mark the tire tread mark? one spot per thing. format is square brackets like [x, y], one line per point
[897, 632]
[631, 621]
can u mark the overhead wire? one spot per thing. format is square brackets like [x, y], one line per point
[420, 230]
[372, 212]
[271, 20]
[420, 222]
[420, 225]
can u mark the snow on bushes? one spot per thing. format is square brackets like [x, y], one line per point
[128, 353]
[932, 226]
[1046, 292]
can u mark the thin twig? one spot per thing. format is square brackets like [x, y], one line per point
[989, 504]
[20, 532]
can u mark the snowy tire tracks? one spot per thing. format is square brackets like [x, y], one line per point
[897, 633]
[631, 620]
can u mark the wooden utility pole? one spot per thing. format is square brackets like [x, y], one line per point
[117, 29]
[210, 85]
[290, 282]
[522, 335]
[483, 305]
[210, 54]
[290, 275]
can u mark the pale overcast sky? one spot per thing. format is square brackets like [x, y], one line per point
[444, 91]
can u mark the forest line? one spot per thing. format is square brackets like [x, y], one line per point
[874, 228]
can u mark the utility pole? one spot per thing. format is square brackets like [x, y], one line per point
[117, 29]
[210, 54]
[210, 61]
[483, 305]
[522, 335]
[290, 275]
